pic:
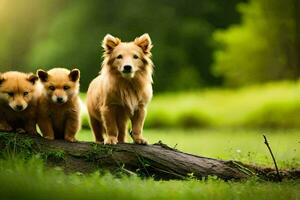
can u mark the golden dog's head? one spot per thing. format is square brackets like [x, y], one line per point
[127, 58]
[60, 84]
[17, 89]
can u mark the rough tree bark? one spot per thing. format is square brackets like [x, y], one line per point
[158, 161]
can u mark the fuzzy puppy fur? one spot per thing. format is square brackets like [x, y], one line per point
[18, 102]
[59, 104]
[122, 90]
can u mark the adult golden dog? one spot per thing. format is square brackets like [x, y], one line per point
[122, 91]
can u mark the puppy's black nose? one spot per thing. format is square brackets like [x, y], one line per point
[127, 69]
[19, 107]
[59, 99]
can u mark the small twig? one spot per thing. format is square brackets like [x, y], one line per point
[160, 143]
[267, 144]
[175, 146]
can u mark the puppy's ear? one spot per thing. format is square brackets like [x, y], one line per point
[43, 75]
[144, 42]
[74, 75]
[109, 43]
[32, 78]
[1, 79]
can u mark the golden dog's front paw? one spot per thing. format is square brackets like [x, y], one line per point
[111, 140]
[70, 139]
[140, 140]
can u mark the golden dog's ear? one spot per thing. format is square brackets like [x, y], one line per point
[74, 75]
[32, 78]
[1, 79]
[144, 42]
[110, 42]
[43, 75]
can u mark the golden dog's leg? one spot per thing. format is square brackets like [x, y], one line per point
[122, 125]
[46, 128]
[110, 124]
[98, 129]
[72, 127]
[137, 125]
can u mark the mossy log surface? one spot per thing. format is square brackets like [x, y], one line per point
[158, 161]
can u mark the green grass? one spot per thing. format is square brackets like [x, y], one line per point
[273, 105]
[29, 179]
[238, 144]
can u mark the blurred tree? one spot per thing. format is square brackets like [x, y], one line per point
[265, 46]
[19, 21]
[69, 33]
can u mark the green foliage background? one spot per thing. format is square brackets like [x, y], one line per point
[197, 43]
[264, 47]
[43, 34]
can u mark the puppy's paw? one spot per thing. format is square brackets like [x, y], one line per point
[70, 139]
[20, 131]
[140, 140]
[49, 137]
[5, 127]
[111, 140]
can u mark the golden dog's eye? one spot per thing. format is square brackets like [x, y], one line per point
[25, 93]
[11, 94]
[66, 87]
[135, 56]
[120, 56]
[51, 87]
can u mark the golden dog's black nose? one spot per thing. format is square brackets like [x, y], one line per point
[59, 100]
[19, 107]
[127, 69]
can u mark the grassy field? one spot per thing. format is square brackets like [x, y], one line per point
[29, 179]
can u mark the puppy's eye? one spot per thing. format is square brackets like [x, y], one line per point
[120, 56]
[25, 94]
[11, 94]
[135, 56]
[51, 87]
[66, 87]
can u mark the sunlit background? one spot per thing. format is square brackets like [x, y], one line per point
[221, 67]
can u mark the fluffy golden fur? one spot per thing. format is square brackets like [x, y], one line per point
[122, 91]
[59, 104]
[18, 102]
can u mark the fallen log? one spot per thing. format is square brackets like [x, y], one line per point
[158, 161]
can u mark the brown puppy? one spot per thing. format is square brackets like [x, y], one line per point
[59, 104]
[122, 90]
[18, 102]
